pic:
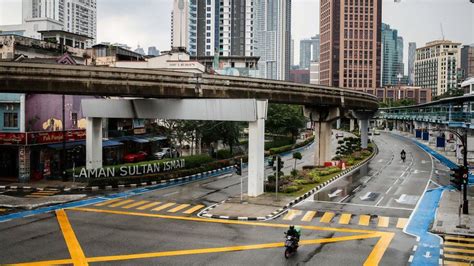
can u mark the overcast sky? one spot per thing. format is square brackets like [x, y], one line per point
[147, 22]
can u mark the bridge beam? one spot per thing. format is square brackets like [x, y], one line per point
[246, 110]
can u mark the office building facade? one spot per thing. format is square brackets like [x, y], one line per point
[436, 66]
[411, 62]
[309, 51]
[392, 56]
[350, 43]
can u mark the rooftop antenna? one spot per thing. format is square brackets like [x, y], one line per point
[442, 32]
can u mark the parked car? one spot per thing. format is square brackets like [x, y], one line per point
[376, 132]
[166, 153]
[135, 157]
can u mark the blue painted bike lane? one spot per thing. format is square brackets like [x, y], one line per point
[429, 245]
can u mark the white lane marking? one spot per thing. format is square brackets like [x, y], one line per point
[378, 202]
[379, 161]
[365, 205]
[172, 193]
[390, 188]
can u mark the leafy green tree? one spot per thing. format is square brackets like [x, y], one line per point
[285, 119]
[297, 156]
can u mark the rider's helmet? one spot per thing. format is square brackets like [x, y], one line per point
[292, 227]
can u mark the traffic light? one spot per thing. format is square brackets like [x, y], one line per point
[457, 177]
[238, 169]
[279, 164]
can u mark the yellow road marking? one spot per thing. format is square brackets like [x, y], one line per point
[162, 207]
[327, 217]
[149, 205]
[345, 218]
[107, 202]
[120, 203]
[374, 257]
[456, 263]
[209, 250]
[193, 209]
[459, 250]
[291, 214]
[364, 220]
[2, 209]
[178, 208]
[462, 257]
[379, 249]
[383, 221]
[402, 222]
[308, 216]
[75, 250]
[465, 239]
[135, 204]
[449, 243]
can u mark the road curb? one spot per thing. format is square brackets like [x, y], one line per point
[205, 213]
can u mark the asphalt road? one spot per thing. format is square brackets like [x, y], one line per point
[161, 227]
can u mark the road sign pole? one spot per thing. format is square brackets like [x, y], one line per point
[241, 182]
[276, 175]
[465, 205]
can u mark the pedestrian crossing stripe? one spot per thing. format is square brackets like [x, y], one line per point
[135, 204]
[345, 218]
[151, 206]
[458, 250]
[180, 207]
[41, 194]
[327, 217]
[162, 207]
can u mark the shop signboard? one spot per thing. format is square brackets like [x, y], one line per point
[24, 163]
[55, 136]
[12, 138]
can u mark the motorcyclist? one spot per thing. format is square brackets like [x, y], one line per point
[403, 155]
[293, 232]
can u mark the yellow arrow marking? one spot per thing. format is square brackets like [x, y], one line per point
[77, 255]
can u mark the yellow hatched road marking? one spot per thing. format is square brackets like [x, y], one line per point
[193, 209]
[135, 204]
[459, 250]
[308, 216]
[162, 207]
[449, 243]
[364, 220]
[459, 238]
[462, 257]
[291, 214]
[107, 202]
[327, 217]
[178, 208]
[120, 203]
[383, 221]
[149, 205]
[345, 218]
[402, 222]
[75, 250]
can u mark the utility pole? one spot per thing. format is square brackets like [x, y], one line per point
[465, 204]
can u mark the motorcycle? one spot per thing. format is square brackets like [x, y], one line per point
[291, 246]
[403, 157]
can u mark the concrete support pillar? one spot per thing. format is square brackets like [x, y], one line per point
[364, 133]
[256, 151]
[93, 143]
[351, 125]
[322, 150]
[338, 123]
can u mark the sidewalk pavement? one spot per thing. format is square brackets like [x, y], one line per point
[259, 206]
[48, 184]
[446, 220]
